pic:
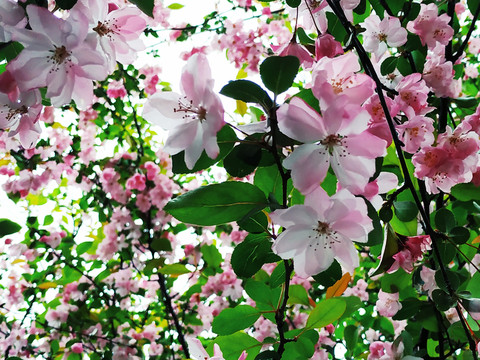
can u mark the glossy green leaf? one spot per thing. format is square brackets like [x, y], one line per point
[247, 91]
[466, 192]
[233, 345]
[211, 255]
[444, 220]
[278, 72]
[330, 276]
[231, 320]
[326, 312]
[268, 355]
[388, 65]
[84, 247]
[8, 227]
[145, 5]
[405, 210]
[217, 203]
[261, 293]
[174, 269]
[161, 244]
[242, 160]
[459, 235]
[294, 3]
[298, 295]
[251, 254]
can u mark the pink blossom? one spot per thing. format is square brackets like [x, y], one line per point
[11, 16]
[136, 182]
[378, 124]
[77, 348]
[338, 139]
[339, 75]
[117, 32]
[430, 27]
[193, 120]
[439, 75]
[359, 290]
[57, 56]
[380, 33]
[326, 45]
[292, 48]
[387, 304]
[116, 89]
[428, 277]
[412, 95]
[321, 230]
[416, 133]
[21, 116]
[474, 45]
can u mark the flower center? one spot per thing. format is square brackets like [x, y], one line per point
[323, 228]
[190, 111]
[382, 37]
[16, 113]
[60, 55]
[102, 29]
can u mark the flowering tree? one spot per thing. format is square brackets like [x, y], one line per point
[322, 205]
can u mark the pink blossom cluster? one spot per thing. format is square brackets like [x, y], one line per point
[63, 55]
[413, 248]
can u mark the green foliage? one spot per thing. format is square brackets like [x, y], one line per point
[231, 320]
[217, 203]
[278, 72]
[8, 227]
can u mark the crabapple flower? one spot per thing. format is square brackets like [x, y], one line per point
[338, 139]
[338, 75]
[11, 15]
[116, 32]
[430, 27]
[57, 56]
[380, 33]
[21, 116]
[321, 230]
[193, 119]
[416, 133]
[388, 304]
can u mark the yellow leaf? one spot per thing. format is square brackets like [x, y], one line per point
[476, 240]
[47, 285]
[339, 287]
[4, 162]
[241, 107]
[17, 261]
[242, 74]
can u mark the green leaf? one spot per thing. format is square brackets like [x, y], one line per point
[231, 320]
[242, 160]
[389, 248]
[161, 244]
[84, 247]
[211, 255]
[298, 295]
[473, 5]
[442, 300]
[249, 92]
[459, 235]
[466, 192]
[250, 255]
[226, 138]
[388, 65]
[65, 4]
[326, 312]
[278, 275]
[330, 276]
[8, 227]
[444, 220]
[174, 269]
[175, 6]
[233, 345]
[145, 5]
[47, 220]
[395, 5]
[217, 203]
[262, 293]
[255, 224]
[294, 3]
[405, 210]
[278, 72]
[336, 28]
[350, 335]
[304, 38]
